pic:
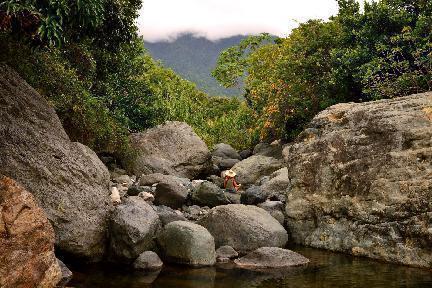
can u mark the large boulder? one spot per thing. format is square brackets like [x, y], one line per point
[361, 180]
[172, 148]
[187, 243]
[26, 240]
[244, 228]
[253, 168]
[133, 227]
[225, 151]
[67, 179]
[271, 257]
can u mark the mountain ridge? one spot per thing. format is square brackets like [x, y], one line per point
[193, 57]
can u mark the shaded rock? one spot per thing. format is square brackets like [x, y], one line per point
[245, 228]
[171, 192]
[225, 151]
[172, 148]
[271, 257]
[148, 261]
[136, 189]
[224, 164]
[194, 212]
[168, 215]
[187, 243]
[272, 187]
[26, 240]
[271, 150]
[253, 195]
[225, 253]
[276, 187]
[361, 180]
[66, 274]
[208, 194]
[67, 179]
[133, 226]
[218, 181]
[124, 180]
[245, 154]
[253, 168]
[275, 209]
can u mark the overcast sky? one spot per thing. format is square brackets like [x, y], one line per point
[163, 19]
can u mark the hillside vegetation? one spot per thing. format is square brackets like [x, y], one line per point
[86, 58]
[193, 58]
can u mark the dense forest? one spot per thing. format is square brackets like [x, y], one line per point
[87, 59]
[198, 57]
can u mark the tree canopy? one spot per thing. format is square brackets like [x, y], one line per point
[382, 51]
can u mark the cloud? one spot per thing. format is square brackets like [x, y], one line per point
[214, 19]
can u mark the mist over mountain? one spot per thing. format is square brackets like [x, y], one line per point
[193, 57]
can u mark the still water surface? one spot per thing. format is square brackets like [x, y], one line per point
[326, 270]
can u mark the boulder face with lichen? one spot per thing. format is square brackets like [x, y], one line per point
[66, 178]
[26, 240]
[361, 180]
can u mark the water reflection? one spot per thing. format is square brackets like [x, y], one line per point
[325, 270]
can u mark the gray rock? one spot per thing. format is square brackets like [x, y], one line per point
[225, 253]
[271, 150]
[272, 187]
[225, 151]
[275, 209]
[148, 261]
[245, 228]
[168, 215]
[195, 212]
[277, 185]
[172, 148]
[218, 181]
[271, 257]
[187, 243]
[253, 168]
[136, 189]
[171, 192]
[224, 164]
[245, 154]
[208, 194]
[133, 227]
[361, 180]
[253, 195]
[66, 274]
[67, 179]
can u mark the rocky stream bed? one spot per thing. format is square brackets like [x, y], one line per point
[358, 180]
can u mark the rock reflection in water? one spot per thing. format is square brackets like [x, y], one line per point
[325, 270]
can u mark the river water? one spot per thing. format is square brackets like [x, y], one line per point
[326, 270]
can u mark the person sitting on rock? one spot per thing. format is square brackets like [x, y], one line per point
[230, 183]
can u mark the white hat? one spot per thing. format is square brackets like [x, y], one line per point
[230, 173]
